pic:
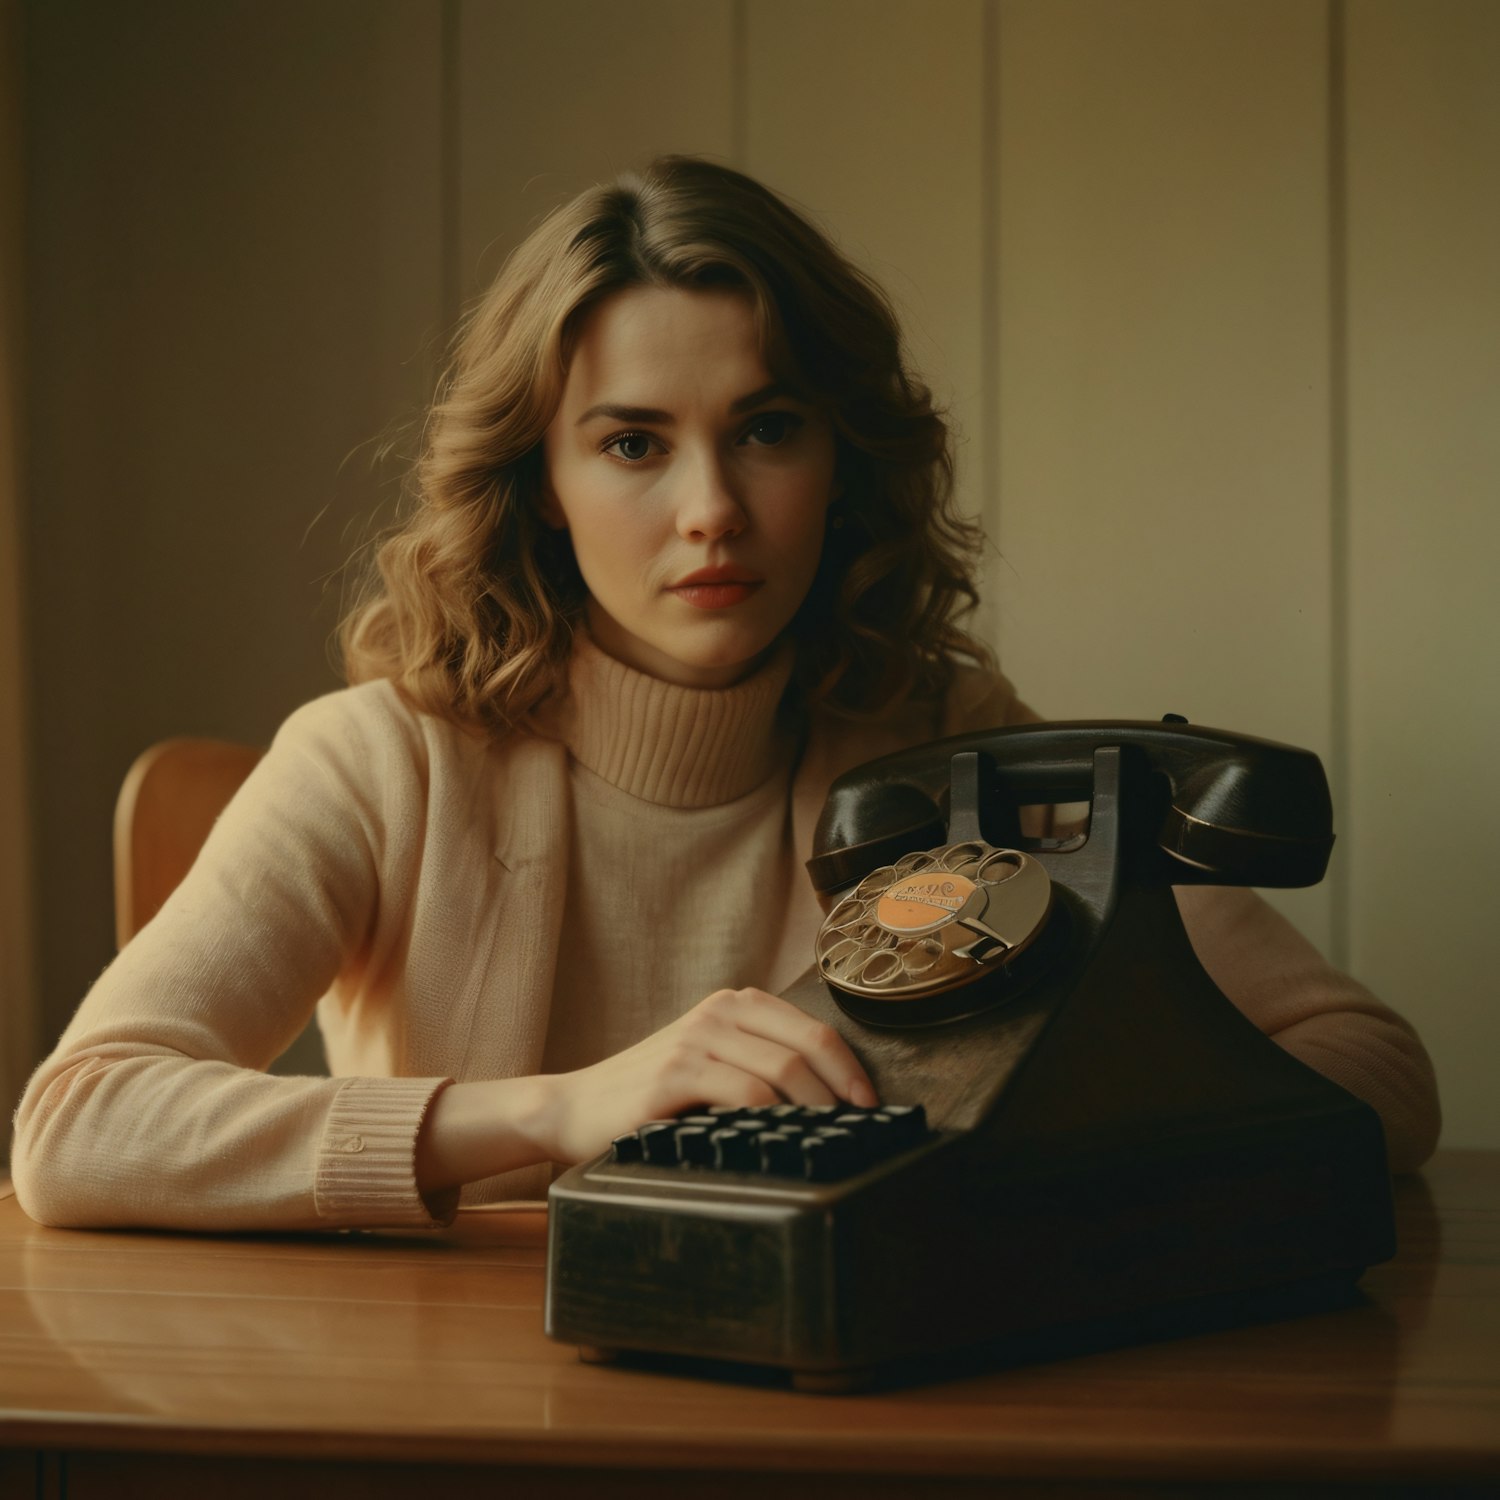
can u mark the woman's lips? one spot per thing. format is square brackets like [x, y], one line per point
[715, 595]
[715, 588]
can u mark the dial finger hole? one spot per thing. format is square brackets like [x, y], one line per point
[955, 856]
[911, 863]
[921, 956]
[848, 910]
[843, 959]
[881, 968]
[839, 948]
[876, 881]
[1001, 865]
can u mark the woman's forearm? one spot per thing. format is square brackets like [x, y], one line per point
[481, 1129]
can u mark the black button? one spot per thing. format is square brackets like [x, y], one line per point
[781, 1154]
[659, 1142]
[625, 1147]
[820, 1114]
[693, 1146]
[865, 1128]
[735, 1150]
[830, 1154]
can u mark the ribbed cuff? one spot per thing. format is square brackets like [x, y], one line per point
[367, 1162]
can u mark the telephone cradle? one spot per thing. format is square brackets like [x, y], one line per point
[1080, 1137]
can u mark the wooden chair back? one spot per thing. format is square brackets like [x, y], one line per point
[167, 805]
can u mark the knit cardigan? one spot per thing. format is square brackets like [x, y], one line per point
[408, 878]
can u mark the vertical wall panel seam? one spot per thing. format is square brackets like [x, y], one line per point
[989, 290]
[450, 167]
[739, 79]
[1338, 476]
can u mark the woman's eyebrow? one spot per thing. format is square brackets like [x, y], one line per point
[773, 392]
[618, 413]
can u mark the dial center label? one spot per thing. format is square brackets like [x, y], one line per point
[921, 903]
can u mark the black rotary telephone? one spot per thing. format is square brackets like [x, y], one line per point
[1079, 1136]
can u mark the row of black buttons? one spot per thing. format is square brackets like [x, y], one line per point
[820, 1143]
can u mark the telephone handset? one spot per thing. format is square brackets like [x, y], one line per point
[1226, 810]
[1077, 1129]
[932, 896]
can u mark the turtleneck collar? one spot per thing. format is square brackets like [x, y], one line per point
[677, 746]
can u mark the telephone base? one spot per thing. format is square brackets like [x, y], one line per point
[1197, 1317]
[834, 1382]
[1108, 1240]
[592, 1354]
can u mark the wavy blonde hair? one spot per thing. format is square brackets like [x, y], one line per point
[472, 602]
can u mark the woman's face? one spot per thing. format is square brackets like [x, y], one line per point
[694, 489]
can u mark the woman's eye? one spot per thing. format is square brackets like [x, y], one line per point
[630, 446]
[773, 428]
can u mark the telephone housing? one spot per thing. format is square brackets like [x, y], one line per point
[1112, 1145]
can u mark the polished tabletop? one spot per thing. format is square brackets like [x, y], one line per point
[429, 1348]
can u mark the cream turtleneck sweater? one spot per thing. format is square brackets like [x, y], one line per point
[682, 876]
[471, 909]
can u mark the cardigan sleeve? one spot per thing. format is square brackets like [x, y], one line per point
[154, 1108]
[1277, 978]
[1318, 1014]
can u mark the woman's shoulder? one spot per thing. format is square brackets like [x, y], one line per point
[975, 697]
[980, 698]
[373, 709]
[372, 723]
[370, 742]
[375, 716]
[365, 764]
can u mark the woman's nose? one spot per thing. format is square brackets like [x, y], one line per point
[709, 507]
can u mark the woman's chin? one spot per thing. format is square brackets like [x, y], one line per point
[714, 655]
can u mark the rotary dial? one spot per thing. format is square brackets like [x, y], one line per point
[934, 920]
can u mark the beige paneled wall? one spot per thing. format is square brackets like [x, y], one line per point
[1162, 510]
[870, 116]
[1115, 228]
[234, 269]
[552, 98]
[1424, 528]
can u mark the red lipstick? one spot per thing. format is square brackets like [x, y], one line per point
[716, 588]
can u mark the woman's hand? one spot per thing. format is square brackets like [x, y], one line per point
[735, 1047]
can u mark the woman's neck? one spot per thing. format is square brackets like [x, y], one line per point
[665, 742]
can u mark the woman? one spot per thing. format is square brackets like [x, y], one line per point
[683, 550]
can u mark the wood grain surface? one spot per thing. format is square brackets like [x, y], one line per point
[428, 1349]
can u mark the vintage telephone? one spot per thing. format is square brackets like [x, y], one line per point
[1077, 1129]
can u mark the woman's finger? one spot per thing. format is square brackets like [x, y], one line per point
[783, 1068]
[826, 1053]
[718, 1082]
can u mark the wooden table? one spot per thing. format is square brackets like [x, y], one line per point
[163, 1365]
